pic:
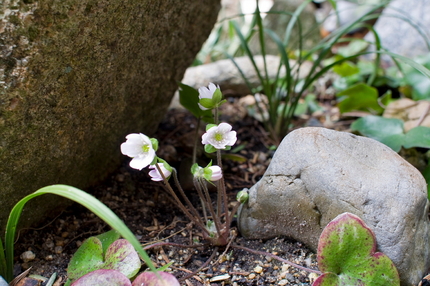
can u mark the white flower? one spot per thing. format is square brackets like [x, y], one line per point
[220, 136]
[139, 147]
[216, 173]
[155, 175]
[207, 92]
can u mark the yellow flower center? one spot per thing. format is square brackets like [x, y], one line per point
[218, 137]
[146, 148]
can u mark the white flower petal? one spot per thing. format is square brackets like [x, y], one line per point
[216, 173]
[224, 127]
[155, 175]
[140, 162]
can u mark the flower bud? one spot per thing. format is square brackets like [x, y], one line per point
[242, 196]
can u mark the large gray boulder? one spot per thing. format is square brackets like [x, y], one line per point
[76, 76]
[403, 28]
[317, 174]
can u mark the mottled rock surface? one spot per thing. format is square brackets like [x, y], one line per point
[317, 174]
[403, 28]
[76, 76]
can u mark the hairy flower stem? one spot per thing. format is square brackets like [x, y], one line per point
[196, 218]
[216, 219]
[204, 202]
[222, 203]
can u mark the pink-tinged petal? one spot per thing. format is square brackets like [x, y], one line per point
[231, 138]
[224, 127]
[216, 173]
[155, 175]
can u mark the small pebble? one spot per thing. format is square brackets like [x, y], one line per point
[28, 256]
[251, 276]
[283, 282]
[58, 249]
[312, 277]
[258, 269]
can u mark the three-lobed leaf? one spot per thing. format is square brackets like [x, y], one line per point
[90, 256]
[347, 255]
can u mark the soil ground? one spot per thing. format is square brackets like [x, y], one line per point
[153, 216]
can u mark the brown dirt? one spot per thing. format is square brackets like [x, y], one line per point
[151, 214]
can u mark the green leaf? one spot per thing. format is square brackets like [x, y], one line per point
[120, 255]
[418, 137]
[217, 97]
[346, 69]
[210, 149]
[103, 277]
[426, 174]
[207, 103]
[209, 126]
[189, 98]
[107, 239]
[81, 197]
[347, 255]
[386, 130]
[154, 143]
[87, 258]
[359, 97]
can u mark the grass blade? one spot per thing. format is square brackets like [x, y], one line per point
[81, 197]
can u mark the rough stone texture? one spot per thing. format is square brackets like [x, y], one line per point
[278, 23]
[76, 76]
[317, 174]
[399, 36]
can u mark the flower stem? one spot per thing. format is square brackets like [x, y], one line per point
[196, 219]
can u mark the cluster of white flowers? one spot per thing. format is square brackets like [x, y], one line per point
[142, 150]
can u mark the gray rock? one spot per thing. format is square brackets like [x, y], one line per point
[317, 174]
[399, 36]
[225, 74]
[76, 76]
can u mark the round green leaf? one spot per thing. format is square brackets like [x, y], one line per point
[386, 130]
[103, 277]
[121, 256]
[87, 258]
[418, 137]
[347, 249]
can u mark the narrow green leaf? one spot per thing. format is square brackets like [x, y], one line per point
[81, 197]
